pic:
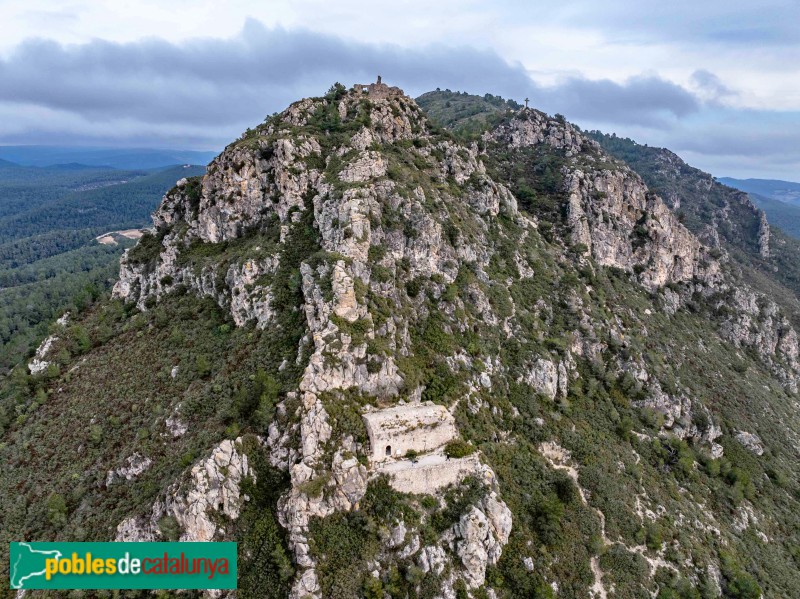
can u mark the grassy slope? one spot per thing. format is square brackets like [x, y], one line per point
[110, 389]
[464, 114]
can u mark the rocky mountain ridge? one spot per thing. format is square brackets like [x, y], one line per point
[268, 182]
[270, 179]
[589, 355]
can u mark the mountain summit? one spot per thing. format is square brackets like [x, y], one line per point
[397, 360]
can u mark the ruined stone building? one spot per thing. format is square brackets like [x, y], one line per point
[378, 90]
[421, 428]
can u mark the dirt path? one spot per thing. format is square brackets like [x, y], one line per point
[561, 459]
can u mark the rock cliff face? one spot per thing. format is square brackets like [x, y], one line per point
[612, 216]
[416, 268]
[189, 509]
[757, 322]
[721, 217]
[610, 211]
[763, 236]
[264, 185]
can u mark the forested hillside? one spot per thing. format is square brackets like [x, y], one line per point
[49, 259]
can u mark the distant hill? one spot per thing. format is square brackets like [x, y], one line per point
[783, 191]
[121, 158]
[7, 164]
[462, 113]
[75, 166]
[784, 215]
[780, 200]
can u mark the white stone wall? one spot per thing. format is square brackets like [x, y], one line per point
[419, 427]
[429, 478]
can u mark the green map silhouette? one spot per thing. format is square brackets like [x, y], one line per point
[27, 562]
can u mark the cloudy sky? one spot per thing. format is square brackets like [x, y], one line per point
[716, 81]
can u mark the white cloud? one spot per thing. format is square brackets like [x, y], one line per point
[185, 73]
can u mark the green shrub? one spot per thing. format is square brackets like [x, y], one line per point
[315, 486]
[95, 434]
[548, 513]
[653, 536]
[169, 528]
[146, 250]
[457, 448]
[255, 402]
[386, 504]
[56, 508]
[413, 287]
[739, 584]
[202, 366]
[342, 544]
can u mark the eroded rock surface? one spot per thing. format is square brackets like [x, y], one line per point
[212, 487]
[400, 216]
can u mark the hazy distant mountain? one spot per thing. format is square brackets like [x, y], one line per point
[123, 158]
[784, 191]
[76, 166]
[784, 215]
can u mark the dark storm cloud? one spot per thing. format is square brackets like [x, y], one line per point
[711, 85]
[211, 88]
[204, 92]
[767, 143]
[211, 81]
[641, 100]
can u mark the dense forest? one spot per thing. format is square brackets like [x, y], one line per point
[49, 260]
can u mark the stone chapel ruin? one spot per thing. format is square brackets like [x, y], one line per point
[407, 443]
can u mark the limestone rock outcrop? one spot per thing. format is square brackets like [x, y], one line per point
[39, 362]
[549, 378]
[751, 441]
[756, 321]
[212, 486]
[763, 236]
[684, 419]
[480, 535]
[134, 466]
[350, 213]
[611, 213]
